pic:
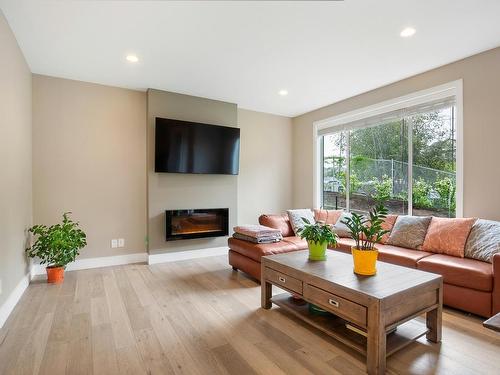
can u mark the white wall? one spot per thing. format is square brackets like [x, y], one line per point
[15, 163]
[89, 157]
[265, 180]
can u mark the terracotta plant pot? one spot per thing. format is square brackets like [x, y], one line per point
[55, 275]
[364, 261]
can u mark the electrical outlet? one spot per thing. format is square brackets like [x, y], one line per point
[114, 243]
[121, 242]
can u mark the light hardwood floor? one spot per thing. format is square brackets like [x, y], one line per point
[200, 317]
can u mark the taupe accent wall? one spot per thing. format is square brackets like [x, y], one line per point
[89, 157]
[265, 180]
[481, 98]
[15, 161]
[183, 191]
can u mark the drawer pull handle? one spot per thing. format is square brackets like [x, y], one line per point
[333, 302]
[282, 279]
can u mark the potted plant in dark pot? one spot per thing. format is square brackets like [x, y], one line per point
[57, 246]
[366, 232]
[318, 236]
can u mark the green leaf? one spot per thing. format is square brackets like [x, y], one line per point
[58, 244]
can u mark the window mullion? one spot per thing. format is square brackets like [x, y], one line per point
[322, 173]
[409, 125]
[348, 172]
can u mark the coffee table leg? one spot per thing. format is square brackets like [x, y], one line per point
[266, 289]
[266, 294]
[434, 320]
[376, 341]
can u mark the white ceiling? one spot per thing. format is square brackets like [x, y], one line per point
[245, 52]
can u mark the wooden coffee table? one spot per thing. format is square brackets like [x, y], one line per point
[380, 308]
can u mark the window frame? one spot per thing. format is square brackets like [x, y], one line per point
[336, 123]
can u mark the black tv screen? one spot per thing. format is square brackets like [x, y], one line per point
[191, 147]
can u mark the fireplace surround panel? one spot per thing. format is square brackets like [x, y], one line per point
[196, 223]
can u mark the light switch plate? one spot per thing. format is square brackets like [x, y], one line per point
[121, 242]
[114, 243]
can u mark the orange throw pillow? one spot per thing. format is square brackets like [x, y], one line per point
[389, 222]
[327, 216]
[448, 236]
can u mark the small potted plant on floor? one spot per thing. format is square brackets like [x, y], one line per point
[366, 232]
[318, 236]
[57, 246]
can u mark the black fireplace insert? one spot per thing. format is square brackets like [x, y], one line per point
[196, 223]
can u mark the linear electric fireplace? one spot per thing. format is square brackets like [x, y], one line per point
[196, 223]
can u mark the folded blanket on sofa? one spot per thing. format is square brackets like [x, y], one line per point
[257, 231]
[244, 237]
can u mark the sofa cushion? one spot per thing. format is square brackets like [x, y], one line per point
[448, 236]
[327, 216]
[340, 228]
[297, 241]
[468, 273]
[400, 255]
[409, 231]
[280, 222]
[483, 241]
[387, 253]
[296, 218]
[388, 224]
[256, 251]
[344, 245]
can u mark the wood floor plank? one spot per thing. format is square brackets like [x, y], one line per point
[54, 358]
[232, 360]
[155, 360]
[120, 323]
[200, 317]
[31, 353]
[79, 359]
[104, 359]
[130, 361]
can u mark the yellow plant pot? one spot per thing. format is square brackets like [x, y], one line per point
[364, 261]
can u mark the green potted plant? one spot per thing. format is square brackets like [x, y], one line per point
[57, 246]
[366, 232]
[318, 235]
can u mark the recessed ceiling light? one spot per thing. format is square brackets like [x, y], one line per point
[132, 58]
[407, 32]
[283, 92]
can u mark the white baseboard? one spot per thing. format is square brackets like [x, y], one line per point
[87, 263]
[185, 255]
[13, 299]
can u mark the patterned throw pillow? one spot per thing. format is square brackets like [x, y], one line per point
[483, 241]
[296, 216]
[448, 236]
[340, 228]
[409, 231]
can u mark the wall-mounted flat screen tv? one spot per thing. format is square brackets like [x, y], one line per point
[191, 147]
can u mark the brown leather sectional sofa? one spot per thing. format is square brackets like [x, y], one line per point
[469, 284]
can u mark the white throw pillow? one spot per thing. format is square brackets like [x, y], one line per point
[340, 228]
[296, 216]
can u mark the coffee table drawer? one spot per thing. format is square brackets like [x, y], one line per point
[340, 306]
[287, 282]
